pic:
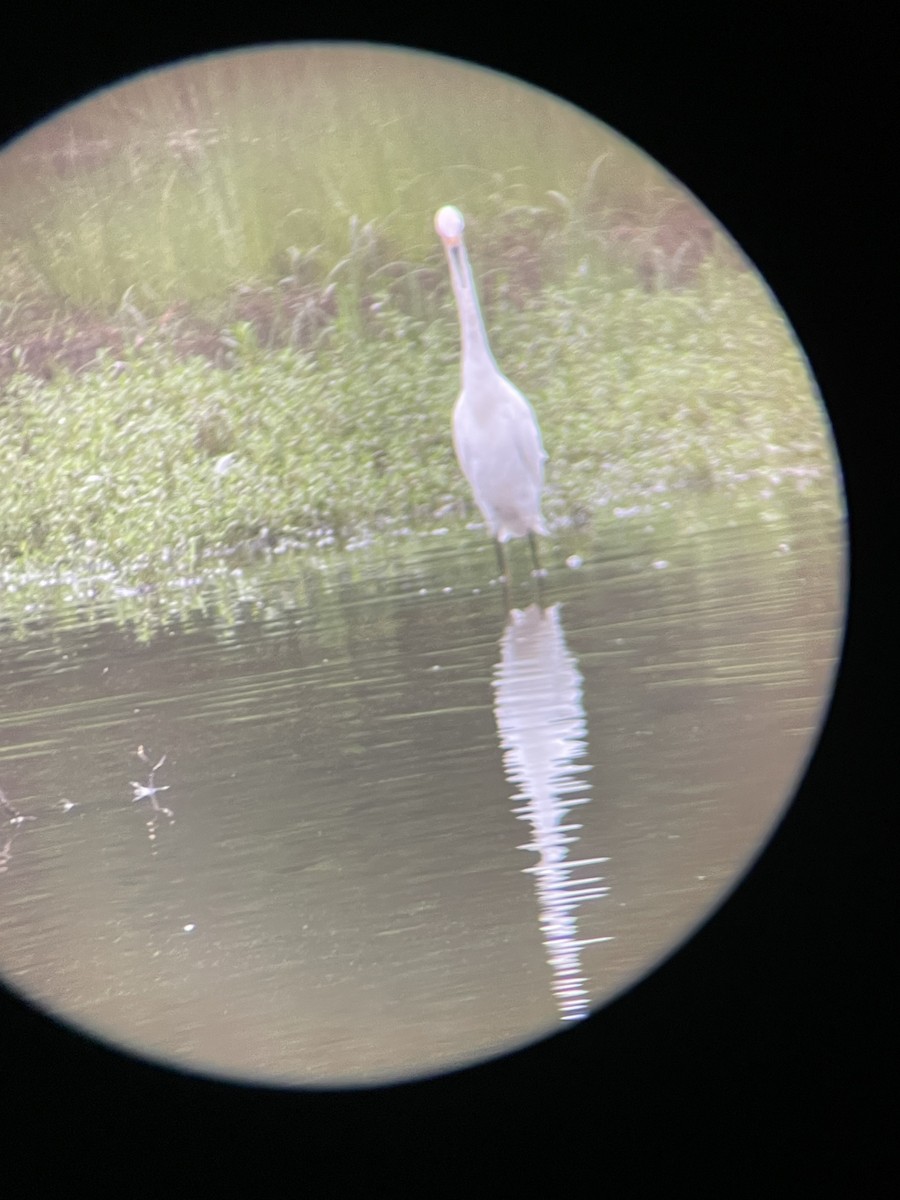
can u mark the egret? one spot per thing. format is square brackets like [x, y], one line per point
[495, 432]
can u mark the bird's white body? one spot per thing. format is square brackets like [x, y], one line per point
[495, 432]
[498, 445]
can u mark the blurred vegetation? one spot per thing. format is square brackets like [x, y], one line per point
[225, 323]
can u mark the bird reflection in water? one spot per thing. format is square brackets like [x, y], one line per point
[543, 732]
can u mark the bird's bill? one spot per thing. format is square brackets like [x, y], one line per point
[456, 258]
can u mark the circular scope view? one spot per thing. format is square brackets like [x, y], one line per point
[422, 565]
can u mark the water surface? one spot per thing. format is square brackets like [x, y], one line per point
[394, 828]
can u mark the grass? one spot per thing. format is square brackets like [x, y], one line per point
[225, 323]
[155, 458]
[181, 186]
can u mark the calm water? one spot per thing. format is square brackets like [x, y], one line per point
[392, 829]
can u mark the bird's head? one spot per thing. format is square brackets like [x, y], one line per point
[449, 224]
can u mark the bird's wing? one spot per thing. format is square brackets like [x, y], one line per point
[515, 424]
[527, 436]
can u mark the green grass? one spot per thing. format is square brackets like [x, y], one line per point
[153, 458]
[244, 336]
[182, 185]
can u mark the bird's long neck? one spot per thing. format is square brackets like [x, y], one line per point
[476, 352]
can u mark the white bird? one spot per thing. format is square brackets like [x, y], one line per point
[495, 432]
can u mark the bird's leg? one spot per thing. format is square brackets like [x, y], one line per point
[538, 574]
[538, 571]
[501, 561]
